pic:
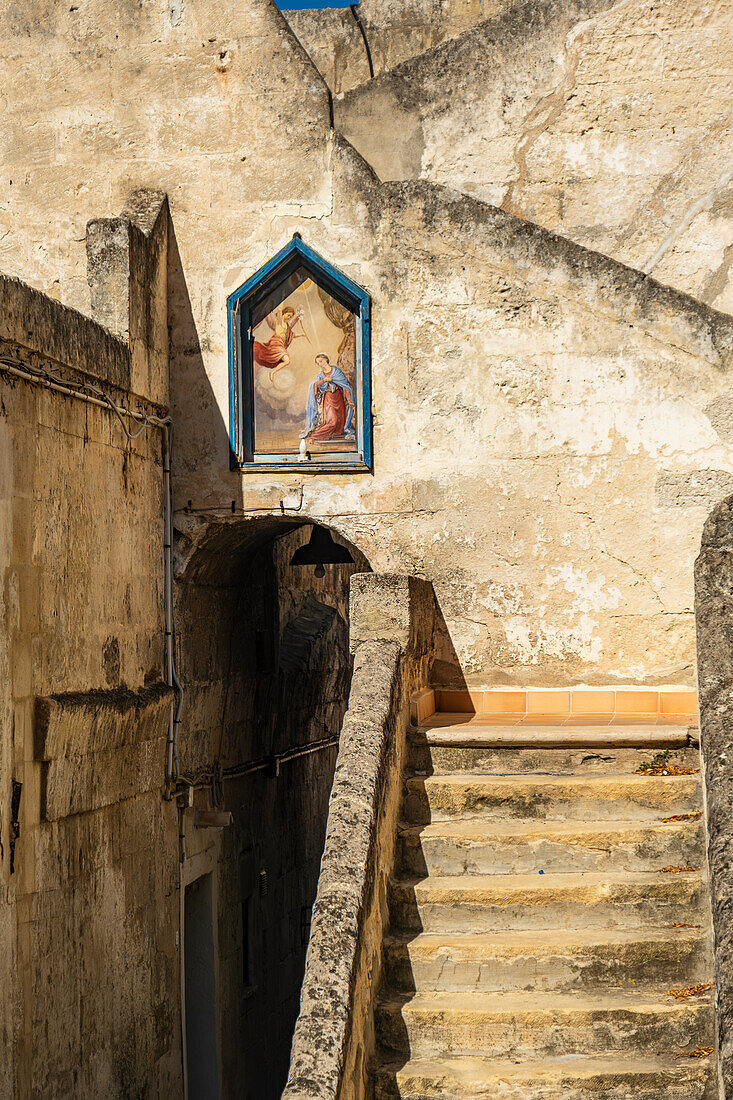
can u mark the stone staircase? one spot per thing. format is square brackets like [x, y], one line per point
[550, 894]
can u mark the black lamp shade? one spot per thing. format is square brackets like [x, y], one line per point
[321, 550]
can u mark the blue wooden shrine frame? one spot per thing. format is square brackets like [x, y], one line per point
[241, 364]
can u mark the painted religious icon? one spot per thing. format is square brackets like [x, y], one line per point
[303, 352]
[330, 408]
[300, 383]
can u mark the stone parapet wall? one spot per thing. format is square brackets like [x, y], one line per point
[714, 615]
[126, 343]
[32, 322]
[392, 621]
[88, 848]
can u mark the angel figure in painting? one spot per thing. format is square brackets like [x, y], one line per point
[330, 409]
[273, 354]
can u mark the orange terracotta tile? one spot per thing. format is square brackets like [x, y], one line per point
[635, 720]
[544, 720]
[588, 701]
[459, 702]
[504, 702]
[678, 702]
[548, 703]
[640, 702]
[445, 718]
[590, 720]
[422, 705]
[496, 719]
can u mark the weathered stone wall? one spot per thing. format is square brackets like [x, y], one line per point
[395, 30]
[608, 123]
[88, 849]
[392, 622]
[545, 377]
[550, 430]
[265, 661]
[714, 611]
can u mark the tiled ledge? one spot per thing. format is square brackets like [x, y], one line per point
[580, 706]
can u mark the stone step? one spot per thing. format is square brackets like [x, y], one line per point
[427, 758]
[596, 797]
[611, 899]
[607, 1076]
[468, 732]
[562, 960]
[460, 846]
[542, 1025]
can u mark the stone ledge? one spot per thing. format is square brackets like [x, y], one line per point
[346, 881]
[489, 48]
[595, 281]
[529, 254]
[100, 747]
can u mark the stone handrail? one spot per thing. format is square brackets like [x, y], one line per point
[391, 629]
[714, 620]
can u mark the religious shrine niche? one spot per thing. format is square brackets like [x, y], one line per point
[299, 367]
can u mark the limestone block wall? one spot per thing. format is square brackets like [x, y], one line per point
[608, 123]
[550, 428]
[88, 849]
[216, 105]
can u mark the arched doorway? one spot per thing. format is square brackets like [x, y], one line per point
[264, 658]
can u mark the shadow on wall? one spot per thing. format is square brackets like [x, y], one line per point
[446, 668]
[202, 439]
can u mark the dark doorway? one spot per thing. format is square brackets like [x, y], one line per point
[202, 1062]
[267, 668]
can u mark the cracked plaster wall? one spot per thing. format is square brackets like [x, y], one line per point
[612, 127]
[531, 401]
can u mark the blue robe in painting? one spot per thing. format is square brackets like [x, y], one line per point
[336, 378]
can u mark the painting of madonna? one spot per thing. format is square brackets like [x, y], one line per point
[330, 406]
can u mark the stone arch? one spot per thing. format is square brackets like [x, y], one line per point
[211, 551]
